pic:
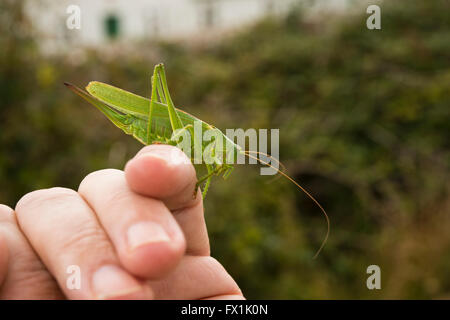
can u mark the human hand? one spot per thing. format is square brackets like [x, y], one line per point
[134, 234]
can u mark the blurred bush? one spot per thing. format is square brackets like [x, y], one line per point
[364, 125]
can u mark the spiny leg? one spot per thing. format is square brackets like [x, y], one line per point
[154, 80]
[186, 130]
[160, 90]
[211, 172]
[177, 134]
[216, 168]
[175, 120]
[228, 171]
[208, 178]
[176, 123]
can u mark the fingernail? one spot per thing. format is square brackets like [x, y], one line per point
[145, 233]
[111, 282]
[171, 157]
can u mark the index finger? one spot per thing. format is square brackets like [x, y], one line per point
[166, 173]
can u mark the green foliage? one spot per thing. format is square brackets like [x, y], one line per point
[364, 125]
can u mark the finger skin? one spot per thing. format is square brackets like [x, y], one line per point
[4, 255]
[227, 297]
[145, 234]
[25, 277]
[64, 232]
[164, 172]
[196, 278]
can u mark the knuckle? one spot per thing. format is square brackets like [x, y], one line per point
[116, 198]
[85, 237]
[140, 206]
[4, 209]
[120, 195]
[6, 213]
[93, 177]
[42, 197]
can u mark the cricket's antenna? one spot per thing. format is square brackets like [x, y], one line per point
[248, 154]
[283, 167]
[268, 156]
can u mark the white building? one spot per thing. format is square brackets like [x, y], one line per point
[103, 20]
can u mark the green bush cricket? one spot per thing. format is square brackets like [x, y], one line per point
[156, 120]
